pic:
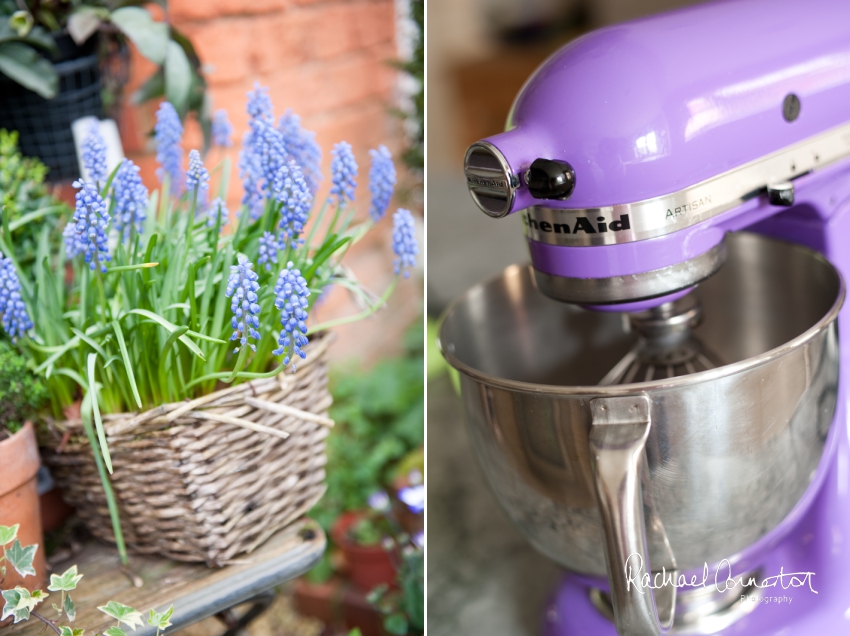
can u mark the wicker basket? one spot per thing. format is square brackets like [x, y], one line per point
[209, 479]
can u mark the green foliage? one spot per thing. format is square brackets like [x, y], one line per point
[8, 533]
[414, 156]
[123, 614]
[161, 620]
[370, 530]
[26, 32]
[25, 201]
[21, 558]
[379, 418]
[66, 582]
[404, 609]
[22, 393]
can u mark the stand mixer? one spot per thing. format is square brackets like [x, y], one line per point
[656, 400]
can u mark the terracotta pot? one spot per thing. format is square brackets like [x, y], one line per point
[19, 462]
[370, 566]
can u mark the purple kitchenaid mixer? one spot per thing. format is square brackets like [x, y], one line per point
[689, 171]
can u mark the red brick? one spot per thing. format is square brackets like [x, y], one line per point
[186, 10]
[375, 23]
[225, 48]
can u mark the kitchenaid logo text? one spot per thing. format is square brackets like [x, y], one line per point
[582, 224]
[486, 183]
[723, 578]
[693, 206]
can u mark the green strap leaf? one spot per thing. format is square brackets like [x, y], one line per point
[20, 558]
[66, 582]
[151, 38]
[8, 533]
[128, 364]
[98, 422]
[171, 328]
[22, 64]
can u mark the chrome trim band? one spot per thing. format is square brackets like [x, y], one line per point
[618, 289]
[490, 180]
[671, 212]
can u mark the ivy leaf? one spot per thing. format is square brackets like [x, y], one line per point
[161, 621]
[114, 631]
[70, 609]
[21, 558]
[20, 602]
[178, 76]
[151, 38]
[8, 533]
[83, 23]
[22, 64]
[396, 624]
[65, 583]
[67, 631]
[123, 613]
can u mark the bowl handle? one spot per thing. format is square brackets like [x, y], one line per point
[618, 434]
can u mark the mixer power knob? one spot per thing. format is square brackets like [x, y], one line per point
[550, 179]
[781, 193]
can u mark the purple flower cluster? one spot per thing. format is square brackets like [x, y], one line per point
[262, 152]
[168, 133]
[302, 148]
[222, 129]
[268, 250]
[16, 321]
[343, 172]
[197, 175]
[131, 198]
[291, 189]
[218, 214]
[382, 180]
[87, 233]
[404, 242]
[242, 287]
[93, 150]
[291, 299]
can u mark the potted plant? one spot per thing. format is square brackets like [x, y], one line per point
[168, 345]
[50, 59]
[361, 536]
[22, 395]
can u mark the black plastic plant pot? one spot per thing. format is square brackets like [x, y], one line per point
[45, 124]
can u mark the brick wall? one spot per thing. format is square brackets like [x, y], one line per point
[327, 60]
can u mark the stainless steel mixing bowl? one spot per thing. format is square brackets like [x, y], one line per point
[680, 471]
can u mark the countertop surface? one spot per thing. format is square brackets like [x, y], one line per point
[484, 579]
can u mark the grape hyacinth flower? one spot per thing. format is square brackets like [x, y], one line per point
[131, 198]
[218, 214]
[93, 150]
[379, 501]
[268, 250]
[301, 147]
[343, 172]
[413, 497]
[404, 241]
[292, 191]
[90, 223]
[168, 133]
[242, 286]
[382, 180]
[16, 321]
[291, 299]
[260, 104]
[197, 175]
[222, 129]
[419, 540]
[268, 146]
[249, 172]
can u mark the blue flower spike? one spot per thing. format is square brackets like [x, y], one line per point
[218, 213]
[131, 199]
[382, 180]
[16, 321]
[291, 189]
[302, 148]
[88, 233]
[343, 173]
[168, 134]
[93, 150]
[268, 250]
[404, 242]
[197, 176]
[222, 129]
[291, 299]
[242, 287]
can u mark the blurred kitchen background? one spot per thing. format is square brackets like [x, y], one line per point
[483, 577]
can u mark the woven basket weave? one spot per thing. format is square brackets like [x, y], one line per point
[209, 479]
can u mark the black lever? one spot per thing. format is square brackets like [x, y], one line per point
[550, 179]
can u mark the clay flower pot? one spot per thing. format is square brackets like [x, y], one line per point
[19, 462]
[369, 565]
